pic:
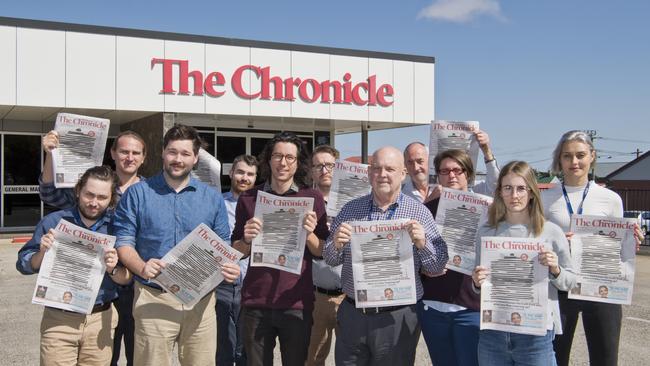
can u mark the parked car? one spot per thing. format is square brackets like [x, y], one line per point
[643, 217]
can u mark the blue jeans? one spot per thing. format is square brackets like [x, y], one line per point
[230, 345]
[452, 338]
[496, 348]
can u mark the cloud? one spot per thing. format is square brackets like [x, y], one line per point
[461, 11]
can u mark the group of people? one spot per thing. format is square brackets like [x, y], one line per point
[240, 322]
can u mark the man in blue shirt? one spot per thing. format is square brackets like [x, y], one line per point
[68, 337]
[382, 335]
[230, 348]
[151, 218]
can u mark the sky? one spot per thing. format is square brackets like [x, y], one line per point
[528, 71]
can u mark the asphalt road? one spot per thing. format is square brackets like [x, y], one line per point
[19, 319]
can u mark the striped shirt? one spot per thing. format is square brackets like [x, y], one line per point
[432, 257]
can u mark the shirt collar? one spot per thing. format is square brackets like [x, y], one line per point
[395, 204]
[293, 189]
[160, 181]
[73, 215]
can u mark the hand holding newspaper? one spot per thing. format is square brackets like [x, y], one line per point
[82, 141]
[193, 266]
[514, 297]
[459, 216]
[72, 269]
[349, 181]
[447, 135]
[603, 251]
[281, 243]
[382, 263]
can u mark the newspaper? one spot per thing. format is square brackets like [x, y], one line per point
[208, 170]
[447, 135]
[281, 243]
[459, 216]
[382, 263]
[603, 251]
[73, 269]
[514, 298]
[194, 265]
[82, 141]
[349, 181]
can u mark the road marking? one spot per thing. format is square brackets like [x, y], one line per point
[638, 319]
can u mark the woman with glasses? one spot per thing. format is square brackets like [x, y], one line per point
[449, 311]
[573, 158]
[517, 212]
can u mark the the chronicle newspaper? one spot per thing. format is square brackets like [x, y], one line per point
[208, 170]
[349, 181]
[514, 298]
[603, 251]
[82, 141]
[382, 263]
[446, 135]
[72, 269]
[281, 243]
[459, 216]
[194, 265]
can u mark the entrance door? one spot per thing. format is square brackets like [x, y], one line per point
[20, 164]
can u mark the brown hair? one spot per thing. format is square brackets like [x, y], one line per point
[497, 211]
[302, 177]
[103, 173]
[183, 132]
[326, 149]
[132, 134]
[459, 156]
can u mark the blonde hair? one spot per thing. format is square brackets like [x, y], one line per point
[575, 135]
[497, 211]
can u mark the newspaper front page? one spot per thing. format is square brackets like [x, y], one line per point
[82, 141]
[382, 263]
[514, 298]
[459, 216]
[73, 269]
[281, 243]
[603, 251]
[349, 181]
[446, 135]
[194, 265]
[208, 170]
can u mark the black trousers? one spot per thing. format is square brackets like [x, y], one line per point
[125, 325]
[602, 324]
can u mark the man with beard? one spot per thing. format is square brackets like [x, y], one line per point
[152, 217]
[327, 280]
[230, 348]
[128, 152]
[67, 337]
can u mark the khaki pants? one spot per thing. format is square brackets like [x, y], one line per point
[161, 321]
[325, 308]
[77, 339]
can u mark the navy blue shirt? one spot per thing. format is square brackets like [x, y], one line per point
[152, 217]
[108, 289]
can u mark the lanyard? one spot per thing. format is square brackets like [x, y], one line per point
[391, 210]
[568, 203]
[92, 227]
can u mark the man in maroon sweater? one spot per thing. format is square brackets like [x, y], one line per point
[278, 303]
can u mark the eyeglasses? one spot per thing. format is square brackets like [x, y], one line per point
[456, 171]
[328, 166]
[519, 189]
[278, 158]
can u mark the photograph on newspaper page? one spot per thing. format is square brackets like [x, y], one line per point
[459, 215]
[72, 269]
[446, 135]
[603, 252]
[349, 181]
[382, 263]
[208, 170]
[281, 243]
[82, 141]
[514, 297]
[194, 265]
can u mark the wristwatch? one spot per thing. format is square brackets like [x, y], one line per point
[113, 272]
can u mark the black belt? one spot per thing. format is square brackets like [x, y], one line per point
[336, 292]
[375, 310]
[96, 309]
